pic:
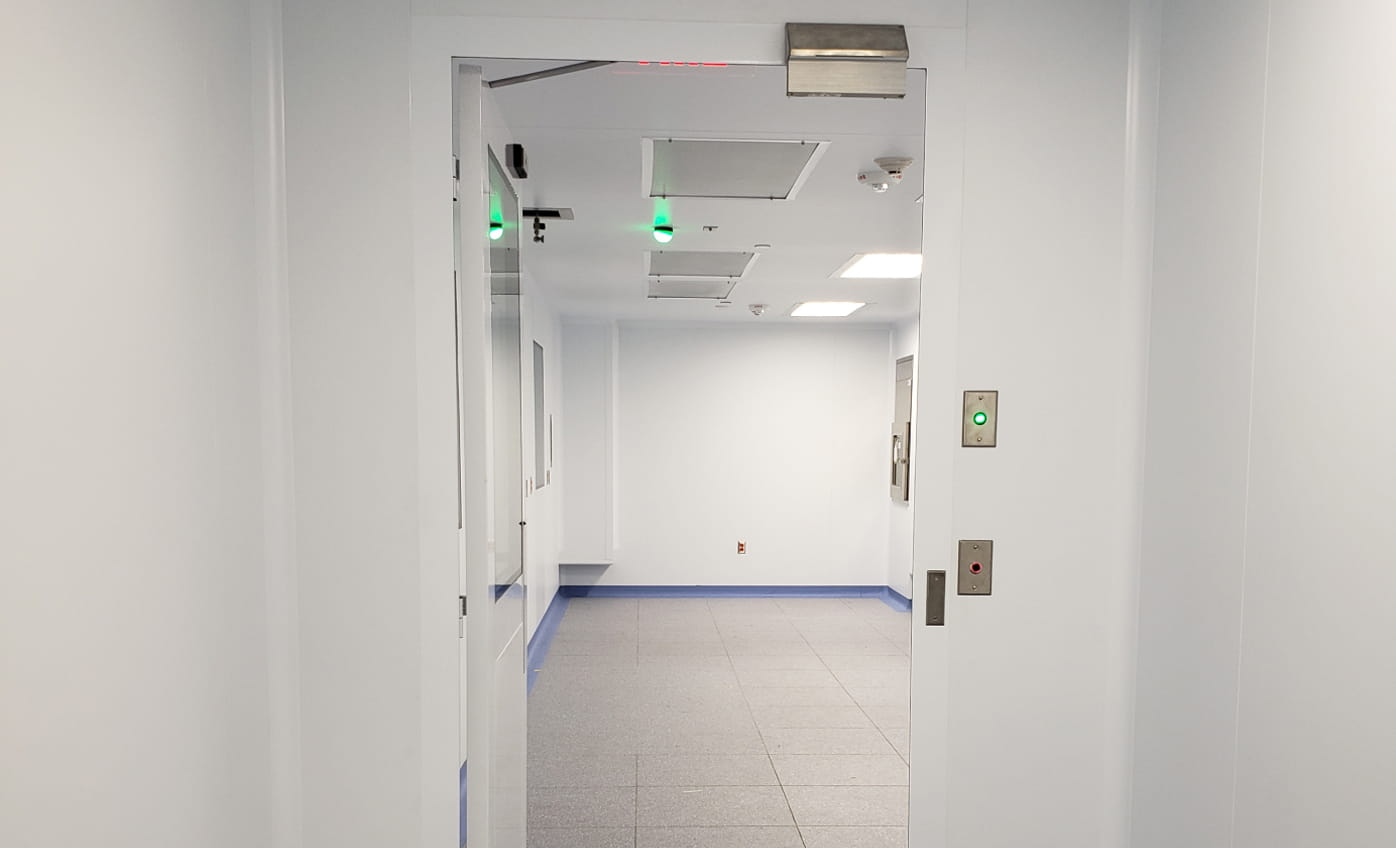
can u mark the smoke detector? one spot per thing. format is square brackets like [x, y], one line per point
[893, 166]
[757, 309]
[889, 173]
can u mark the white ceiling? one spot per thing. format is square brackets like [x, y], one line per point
[583, 136]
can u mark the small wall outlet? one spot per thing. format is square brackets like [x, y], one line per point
[741, 547]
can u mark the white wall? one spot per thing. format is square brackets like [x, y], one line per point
[1272, 347]
[592, 385]
[1047, 313]
[375, 434]
[1322, 506]
[702, 407]
[1210, 113]
[772, 435]
[134, 633]
[899, 562]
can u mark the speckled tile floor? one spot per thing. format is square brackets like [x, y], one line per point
[722, 723]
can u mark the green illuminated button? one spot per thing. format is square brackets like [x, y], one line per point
[980, 418]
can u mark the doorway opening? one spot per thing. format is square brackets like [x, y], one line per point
[714, 302]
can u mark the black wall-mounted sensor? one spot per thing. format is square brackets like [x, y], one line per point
[516, 161]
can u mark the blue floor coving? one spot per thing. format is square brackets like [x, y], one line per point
[542, 638]
[896, 600]
[888, 595]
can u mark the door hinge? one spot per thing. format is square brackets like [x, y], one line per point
[462, 606]
[455, 177]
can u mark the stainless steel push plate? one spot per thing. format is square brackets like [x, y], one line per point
[935, 598]
[981, 422]
[901, 431]
[901, 461]
[976, 567]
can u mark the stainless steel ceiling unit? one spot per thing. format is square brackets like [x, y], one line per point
[846, 60]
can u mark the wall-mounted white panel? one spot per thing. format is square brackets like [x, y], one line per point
[1316, 758]
[586, 442]
[375, 432]
[1264, 693]
[139, 332]
[1210, 114]
[1047, 317]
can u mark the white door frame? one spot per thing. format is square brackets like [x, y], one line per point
[437, 40]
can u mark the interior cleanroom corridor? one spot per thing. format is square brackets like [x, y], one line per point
[247, 544]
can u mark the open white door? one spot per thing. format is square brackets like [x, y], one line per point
[493, 686]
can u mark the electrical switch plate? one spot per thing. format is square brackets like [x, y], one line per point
[976, 567]
[935, 598]
[981, 422]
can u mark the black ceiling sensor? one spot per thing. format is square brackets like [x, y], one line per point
[516, 161]
[560, 213]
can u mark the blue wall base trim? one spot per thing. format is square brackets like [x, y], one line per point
[880, 592]
[462, 805]
[896, 600]
[542, 638]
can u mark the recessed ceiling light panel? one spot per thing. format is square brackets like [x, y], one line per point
[826, 309]
[881, 266]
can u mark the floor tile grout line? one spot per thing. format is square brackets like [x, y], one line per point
[875, 725]
[881, 732]
[790, 806]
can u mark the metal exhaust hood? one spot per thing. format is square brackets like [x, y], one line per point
[845, 60]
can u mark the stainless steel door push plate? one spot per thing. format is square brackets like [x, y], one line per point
[976, 567]
[981, 421]
[935, 598]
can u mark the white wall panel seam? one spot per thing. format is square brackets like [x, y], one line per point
[1143, 84]
[1250, 426]
[278, 460]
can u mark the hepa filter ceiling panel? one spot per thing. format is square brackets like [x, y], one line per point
[764, 169]
[699, 263]
[665, 289]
